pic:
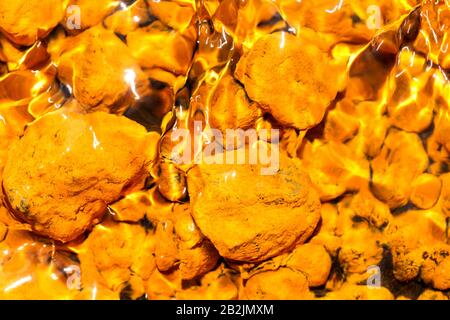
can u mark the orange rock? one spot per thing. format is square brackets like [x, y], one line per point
[166, 249]
[442, 121]
[24, 21]
[432, 295]
[128, 19]
[435, 269]
[196, 253]
[364, 126]
[133, 207]
[90, 13]
[161, 286]
[432, 38]
[339, 126]
[218, 284]
[347, 20]
[197, 260]
[172, 182]
[64, 171]
[101, 71]
[249, 217]
[176, 14]
[179, 244]
[230, 108]
[114, 253]
[20, 59]
[186, 229]
[361, 242]
[297, 79]
[313, 260]
[334, 169]
[327, 233]
[445, 194]
[162, 48]
[369, 208]
[425, 191]
[360, 292]
[401, 160]
[282, 284]
[360, 250]
[372, 130]
[407, 247]
[410, 106]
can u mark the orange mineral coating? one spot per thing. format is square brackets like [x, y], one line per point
[63, 172]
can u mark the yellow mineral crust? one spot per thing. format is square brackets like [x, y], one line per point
[64, 171]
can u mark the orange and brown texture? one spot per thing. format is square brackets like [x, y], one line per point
[95, 205]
